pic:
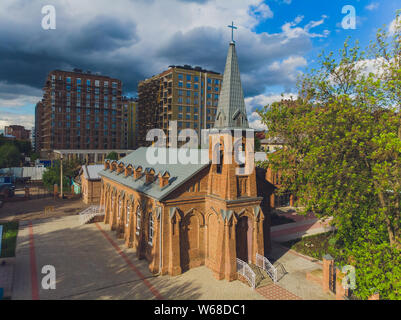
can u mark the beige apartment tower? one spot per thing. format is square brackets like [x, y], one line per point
[182, 93]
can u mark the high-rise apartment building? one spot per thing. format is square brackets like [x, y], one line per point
[181, 93]
[19, 132]
[80, 110]
[130, 107]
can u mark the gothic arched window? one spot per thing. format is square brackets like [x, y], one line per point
[151, 229]
[138, 220]
[128, 213]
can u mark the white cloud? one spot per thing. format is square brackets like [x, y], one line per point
[17, 95]
[372, 6]
[262, 10]
[292, 30]
[261, 100]
[7, 118]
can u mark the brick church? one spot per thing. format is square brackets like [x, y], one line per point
[180, 217]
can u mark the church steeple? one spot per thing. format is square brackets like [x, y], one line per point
[231, 111]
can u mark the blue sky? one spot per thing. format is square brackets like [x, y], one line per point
[135, 39]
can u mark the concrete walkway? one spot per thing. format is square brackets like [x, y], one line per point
[91, 263]
[294, 281]
[297, 230]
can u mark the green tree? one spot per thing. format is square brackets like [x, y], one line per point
[343, 155]
[9, 156]
[112, 156]
[52, 174]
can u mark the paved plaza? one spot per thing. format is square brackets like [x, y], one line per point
[91, 263]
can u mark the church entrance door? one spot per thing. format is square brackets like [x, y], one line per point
[243, 236]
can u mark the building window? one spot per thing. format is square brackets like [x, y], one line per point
[120, 203]
[151, 229]
[128, 213]
[138, 220]
[180, 76]
[78, 81]
[180, 84]
[196, 78]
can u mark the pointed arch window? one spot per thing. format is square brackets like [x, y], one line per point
[138, 220]
[120, 204]
[151, 229]
[128, 213]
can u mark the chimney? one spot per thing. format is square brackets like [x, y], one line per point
[120, 168]
[128, 170]
[149, 175]
[163, 179]
[137, 172]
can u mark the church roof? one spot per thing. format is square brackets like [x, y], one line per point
[179, 173]
[91, 172]
[231, 111]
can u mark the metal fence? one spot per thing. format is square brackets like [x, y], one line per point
[89, 213]
[37, 190]
[264, 263]
[245, 270]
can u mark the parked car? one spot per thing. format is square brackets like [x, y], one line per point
[7, 190]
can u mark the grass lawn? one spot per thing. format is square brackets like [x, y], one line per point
[9, 240]
[315, 246]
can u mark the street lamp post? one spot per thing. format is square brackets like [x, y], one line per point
[61, 176]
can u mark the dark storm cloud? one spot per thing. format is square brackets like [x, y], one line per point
[112, 46]
[208, 47]
[104, 34]
[28, 54]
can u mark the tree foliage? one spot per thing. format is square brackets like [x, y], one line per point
[343, 154]
[52, 174]
[112, 155]
[9, 156]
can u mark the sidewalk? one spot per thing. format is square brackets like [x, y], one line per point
[295, 282]
[299, 229]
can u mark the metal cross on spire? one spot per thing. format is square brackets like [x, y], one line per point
[232, 30]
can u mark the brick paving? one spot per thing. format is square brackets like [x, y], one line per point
[275, 292]
[297, 230]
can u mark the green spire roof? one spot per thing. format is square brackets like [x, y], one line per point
[231, 111]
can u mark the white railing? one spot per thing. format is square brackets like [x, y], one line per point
[245, 270]
[264, 263]
[89, 213]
